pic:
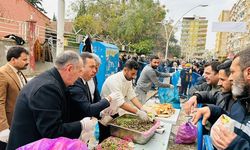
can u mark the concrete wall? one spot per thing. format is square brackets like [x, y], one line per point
[40, 66]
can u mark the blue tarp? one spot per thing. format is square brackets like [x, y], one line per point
[167, 95]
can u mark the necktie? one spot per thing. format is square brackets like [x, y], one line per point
[23, 81]
[88, 92]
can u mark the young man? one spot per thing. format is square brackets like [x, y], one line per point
[222, 98]
[211, 76]
[148, 77]
[11, 82]
[222, 138]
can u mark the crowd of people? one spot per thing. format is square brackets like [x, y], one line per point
[64, 101]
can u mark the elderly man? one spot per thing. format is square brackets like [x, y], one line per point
[222, 137]
[11, 82]
[148, 77]
[42, 107]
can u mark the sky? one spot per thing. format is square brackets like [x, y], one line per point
[176, 9]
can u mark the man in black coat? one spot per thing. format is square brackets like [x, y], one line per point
[83, 103]
[42, 107]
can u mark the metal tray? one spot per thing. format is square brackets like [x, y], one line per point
[136, 136]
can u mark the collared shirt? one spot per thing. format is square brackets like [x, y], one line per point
[21, 81]
[118, 83]
[88, 88]
[91, 84]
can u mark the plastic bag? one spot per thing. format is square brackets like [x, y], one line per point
[186, 134]
[60, 143]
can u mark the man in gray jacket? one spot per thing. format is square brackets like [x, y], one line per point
[149, 76]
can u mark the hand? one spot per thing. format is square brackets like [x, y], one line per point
[171, 86]
[221, 136]
[148, 110]
[192, 102]
[114, 96]
[142, 114]
[4, 135]
[105, 120]
[205, 112]
[88, 123]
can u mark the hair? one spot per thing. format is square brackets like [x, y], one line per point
[65, 58]
[86, 55]
[244, 58]
[97, 58]
[16, 52]
[131, 64]
[214, 65]
[225, 66]
[153, 57]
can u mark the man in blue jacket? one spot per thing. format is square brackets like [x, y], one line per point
[222, 138]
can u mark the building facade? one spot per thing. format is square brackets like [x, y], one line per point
[237, 41]
[193, 37]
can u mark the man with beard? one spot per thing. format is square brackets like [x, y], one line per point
[222, 98]
[148, 77]
[221, 137]
[11, 82]
[121, 82]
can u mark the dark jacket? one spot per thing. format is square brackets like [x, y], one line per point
[223, 100]
[81, 106]
[42, 111]
[202, 87]
[239, 113]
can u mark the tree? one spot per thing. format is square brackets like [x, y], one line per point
[38, 5]
[134, 22]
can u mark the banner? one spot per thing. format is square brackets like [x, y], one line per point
[229, 27]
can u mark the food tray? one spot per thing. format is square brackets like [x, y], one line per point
[135, 136]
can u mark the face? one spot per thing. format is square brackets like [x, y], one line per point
[129, 74]
[211, 77]
[73, 72]
[224, 82]
[155, 63]
[239, 86]
[21, 62]
[89, 69]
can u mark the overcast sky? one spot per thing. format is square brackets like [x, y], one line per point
[176, 9]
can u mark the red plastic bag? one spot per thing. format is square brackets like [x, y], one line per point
[60, 143]
[186, 134]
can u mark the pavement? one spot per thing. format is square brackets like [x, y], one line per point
[182, 119]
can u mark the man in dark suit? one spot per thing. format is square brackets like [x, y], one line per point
[42, 107]
[11, 82]
[83, 103]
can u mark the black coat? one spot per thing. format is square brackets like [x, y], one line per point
[240, 113]
[42, 112]
[81, 105]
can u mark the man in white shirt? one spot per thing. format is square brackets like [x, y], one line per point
[11, 82]
[122, 82]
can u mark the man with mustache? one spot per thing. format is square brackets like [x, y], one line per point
[221, 137]
[222, 98]
[11, 82]
[148, 77]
